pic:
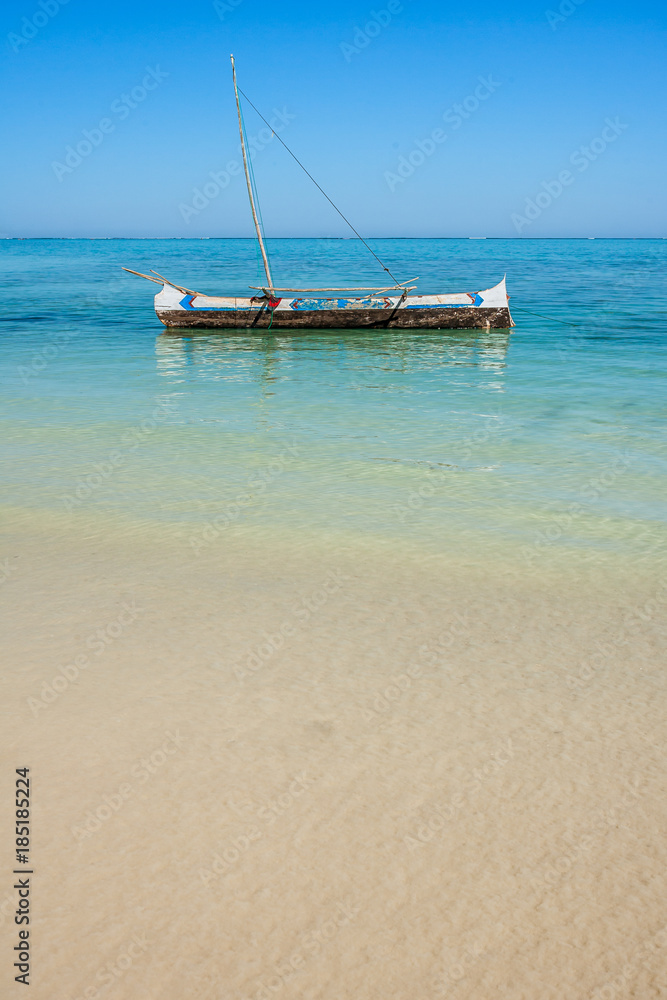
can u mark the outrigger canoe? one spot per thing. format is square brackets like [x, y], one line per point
[179, 307]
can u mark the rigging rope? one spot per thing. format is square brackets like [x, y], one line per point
[347, 221]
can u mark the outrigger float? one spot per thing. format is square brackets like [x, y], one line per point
[391, 306]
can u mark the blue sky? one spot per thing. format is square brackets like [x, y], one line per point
[365, 94]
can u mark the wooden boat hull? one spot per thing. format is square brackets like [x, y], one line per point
[480, 310]
[333, 319]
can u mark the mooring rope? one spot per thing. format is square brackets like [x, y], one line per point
[552, 319]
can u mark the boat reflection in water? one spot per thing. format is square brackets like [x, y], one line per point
[372, 418]
[341, 356]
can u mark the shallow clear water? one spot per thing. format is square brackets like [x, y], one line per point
[473, 439]
[337, 658]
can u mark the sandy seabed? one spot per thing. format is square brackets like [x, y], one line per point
[327, 768]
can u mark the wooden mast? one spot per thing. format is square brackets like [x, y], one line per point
[247, 177]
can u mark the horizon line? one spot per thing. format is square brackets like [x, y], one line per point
[347, 238]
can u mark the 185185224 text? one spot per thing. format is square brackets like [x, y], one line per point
[22, 885]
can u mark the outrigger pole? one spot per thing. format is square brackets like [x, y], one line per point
[247, 177]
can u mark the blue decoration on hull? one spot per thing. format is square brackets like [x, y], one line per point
[187, 304]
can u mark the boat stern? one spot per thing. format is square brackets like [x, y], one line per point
[496, 298]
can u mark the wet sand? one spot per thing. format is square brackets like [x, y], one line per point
[333, 768]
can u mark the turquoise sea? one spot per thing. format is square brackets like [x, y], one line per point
[418, 577]
[548, 437]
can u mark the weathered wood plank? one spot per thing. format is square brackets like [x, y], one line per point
[464, 318]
